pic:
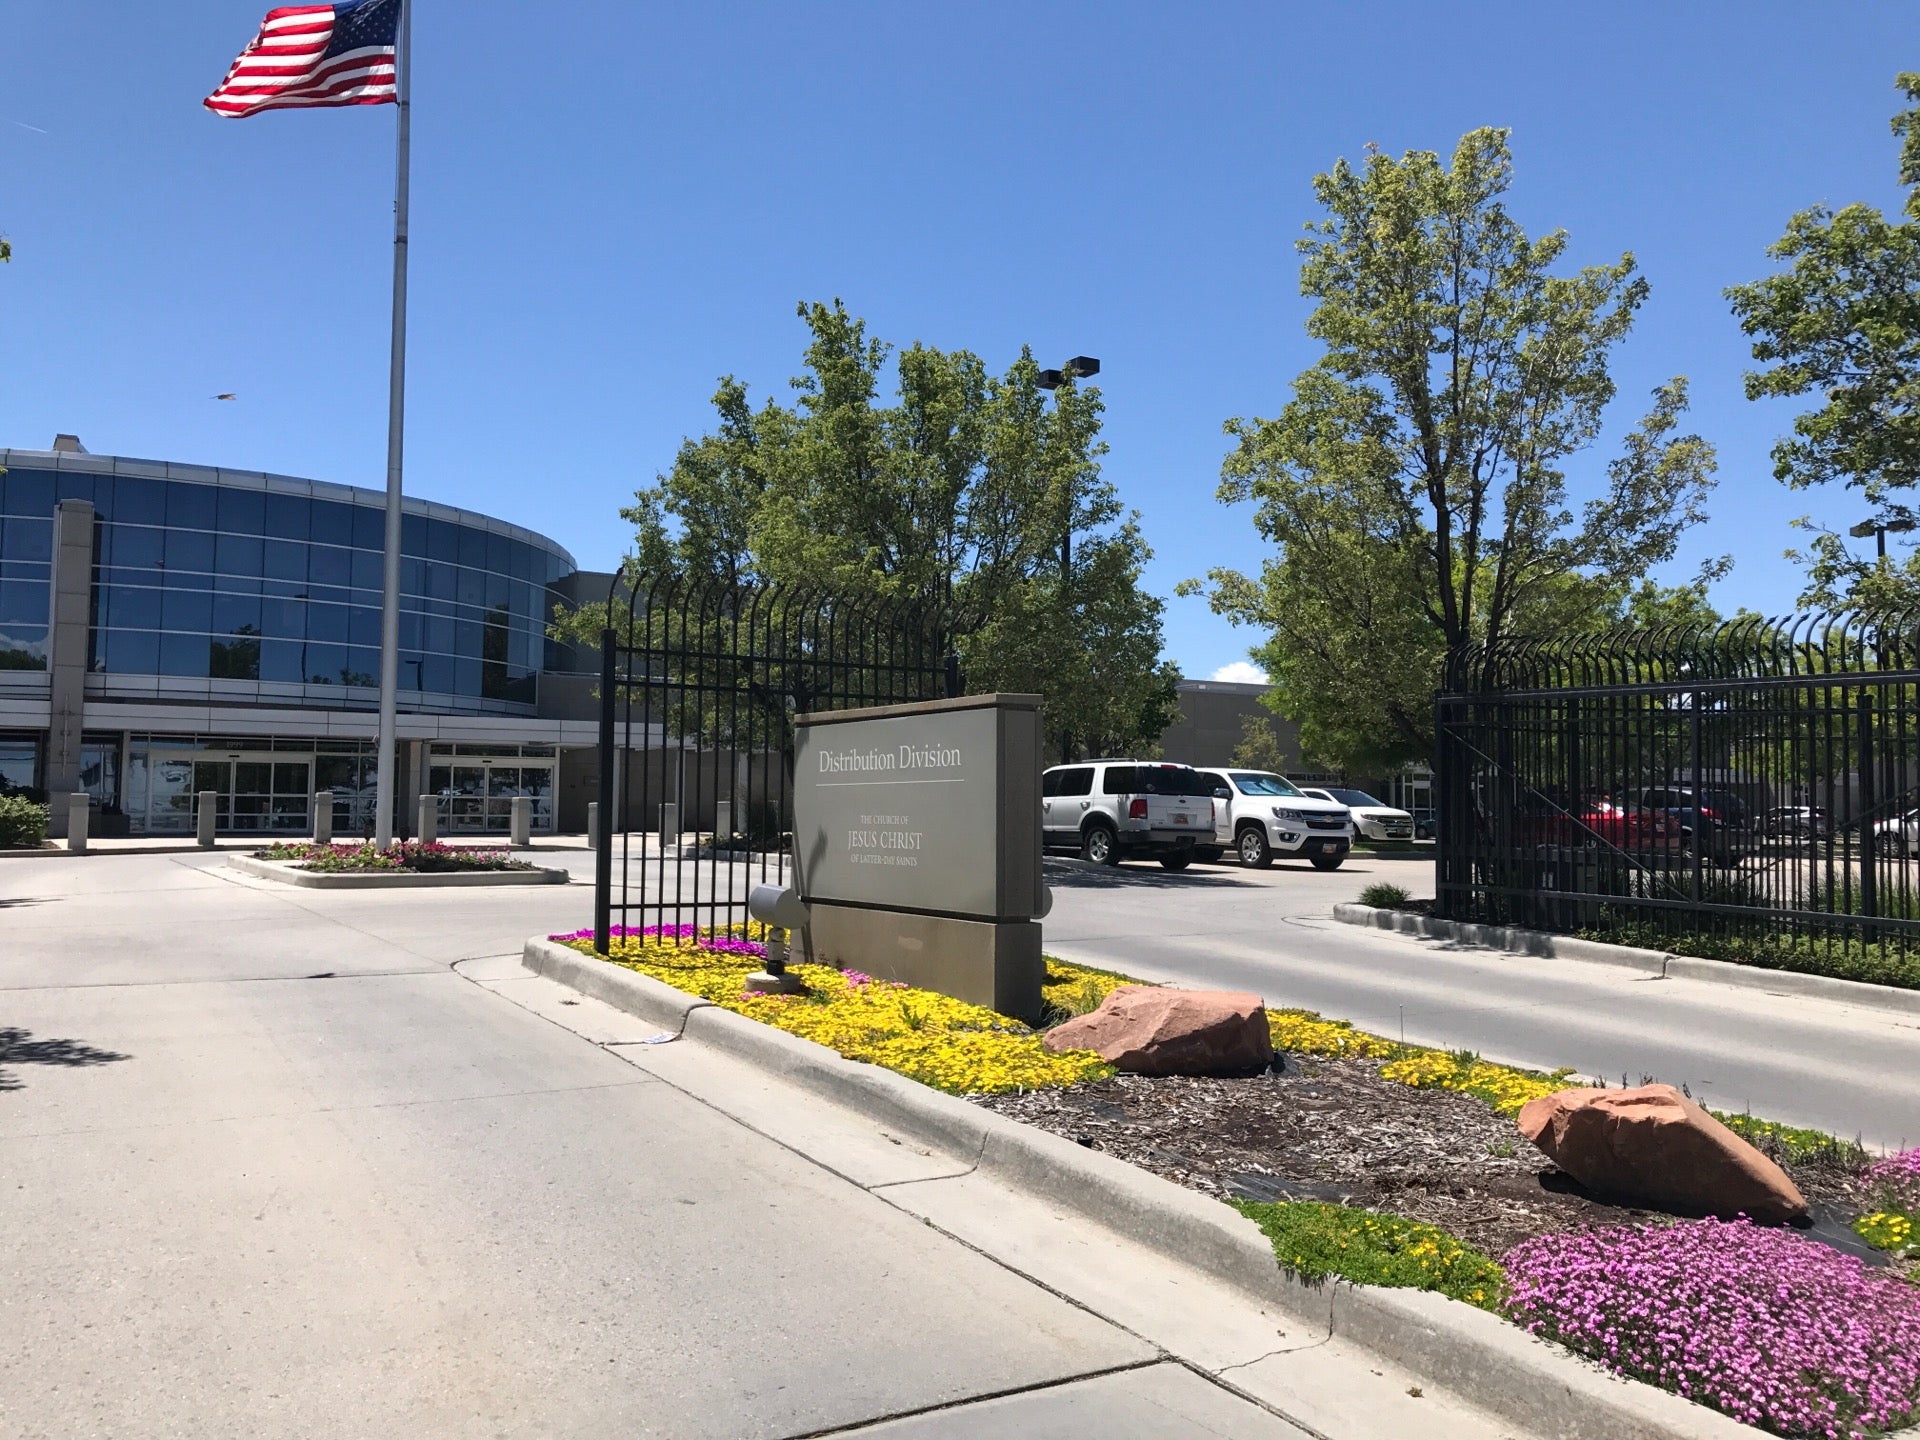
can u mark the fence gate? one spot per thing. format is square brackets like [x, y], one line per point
[699, 684]
[1750, 787]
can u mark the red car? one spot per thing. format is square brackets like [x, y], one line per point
[1611, 823]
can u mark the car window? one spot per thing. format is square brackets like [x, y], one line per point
[1050, 783]
[1357, 797]
[1217, 784]
[1175, 780]
[1077, 781]
[1155, 780]
[1259, 782]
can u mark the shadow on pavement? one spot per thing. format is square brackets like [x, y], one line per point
[18, 1047]
[1078, 875]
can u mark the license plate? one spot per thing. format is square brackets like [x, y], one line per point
[1183, 819]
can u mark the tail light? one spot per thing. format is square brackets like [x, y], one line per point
[1213, 812]
[1137, 810]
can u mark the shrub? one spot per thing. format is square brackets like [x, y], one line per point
[23, 823]
[1319, 1242]
[1791, 1145]
[1382, 896]
[1778, 1332]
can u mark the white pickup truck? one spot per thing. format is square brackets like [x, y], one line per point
[1259, 815]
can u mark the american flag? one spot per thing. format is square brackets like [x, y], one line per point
[339, 54]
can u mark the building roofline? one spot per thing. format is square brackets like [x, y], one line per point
[1221, 687]
[86, 464]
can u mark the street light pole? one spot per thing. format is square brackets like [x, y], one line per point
[1878, 529]
[1080, 367]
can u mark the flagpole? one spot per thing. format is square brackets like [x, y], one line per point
[396, 433]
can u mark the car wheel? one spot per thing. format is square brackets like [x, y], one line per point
[1328, 862]
[1207, 853]
[1100, 846]
[1177, 862]
[1253, 847]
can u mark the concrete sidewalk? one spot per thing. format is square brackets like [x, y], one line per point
[291, 1164]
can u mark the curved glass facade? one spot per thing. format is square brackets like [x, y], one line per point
[249, 579]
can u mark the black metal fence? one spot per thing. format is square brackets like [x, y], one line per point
[1752, 787]
[700, 681]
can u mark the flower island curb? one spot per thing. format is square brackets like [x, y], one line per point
[285, 873]
[1487, 1361]
[1657, 963]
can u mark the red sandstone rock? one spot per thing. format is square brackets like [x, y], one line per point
[1653, 1146]
[1152, 1031]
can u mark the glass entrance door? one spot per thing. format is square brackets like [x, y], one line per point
[255, 794]
[476, 796]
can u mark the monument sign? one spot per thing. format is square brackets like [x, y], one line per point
[917, 844]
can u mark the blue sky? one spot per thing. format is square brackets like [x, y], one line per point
[614, 204]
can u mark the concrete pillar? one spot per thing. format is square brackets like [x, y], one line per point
[77, 813]
[722, 822]
[323, 817]
[520, 822]
[206, 810]
[669, 825]
[71, 599]
[593, 825]
[427, 826]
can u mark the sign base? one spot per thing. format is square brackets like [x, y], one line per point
[995, 963]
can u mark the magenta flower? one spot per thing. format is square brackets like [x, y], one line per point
[1778, 1332]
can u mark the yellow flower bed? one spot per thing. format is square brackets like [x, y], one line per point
[1302, 1032]
[1886, 1230]
[970, 1050]
[946, 1043]
[1505, 1089]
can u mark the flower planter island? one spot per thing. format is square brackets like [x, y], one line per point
[1387, 1165]
[402, 865]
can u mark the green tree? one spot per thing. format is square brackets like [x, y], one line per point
[1842, 323]
[1414, 487]
[959, 493]
[1259, 747]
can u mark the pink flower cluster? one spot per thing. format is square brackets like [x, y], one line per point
[682, 934]
[1896, 1179]
[1776, 1331]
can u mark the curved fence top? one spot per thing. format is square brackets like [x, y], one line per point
[1747, 647]
[720, 598]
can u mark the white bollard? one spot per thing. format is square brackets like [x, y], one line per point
[77, 812]
[206, 811]
[427, 825]
[593, 825]
[669, 825]
[520, 822]
[323, 817]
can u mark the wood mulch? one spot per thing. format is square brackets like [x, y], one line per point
[1335, 1130]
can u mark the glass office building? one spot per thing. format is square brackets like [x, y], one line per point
[232, 643]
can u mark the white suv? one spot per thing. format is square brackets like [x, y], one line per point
[1113, 810]
[1259, 815]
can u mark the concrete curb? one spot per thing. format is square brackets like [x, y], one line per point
[1647, 962]
[285, 874]
[1489, 1362]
